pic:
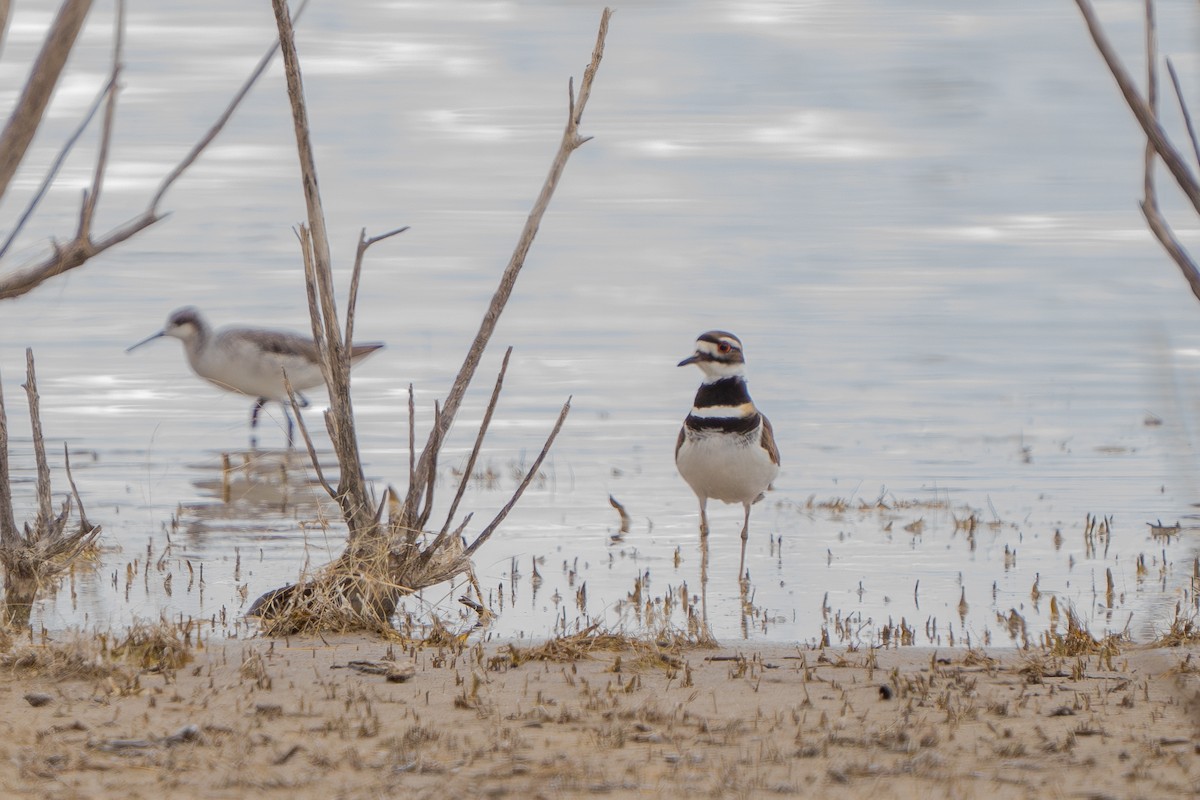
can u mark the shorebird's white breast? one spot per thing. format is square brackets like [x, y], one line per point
[238, 362]
[725, 466]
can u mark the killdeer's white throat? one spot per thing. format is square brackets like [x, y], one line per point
[251, 361]
[726, 448]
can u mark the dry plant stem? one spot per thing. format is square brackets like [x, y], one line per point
[418, 525]
[308, 444]
[1141, 109]
[1183, 109]
[360, 251]
[4, 9]
[52, 173]
[537, 464]
[110, 109]
[43, 78]
[83, 520]
[45, 503]
[412, 434]
[8, 520]
[571, 140]
[469, 469]
[1150, 209]
[352, 495]
[78, 251]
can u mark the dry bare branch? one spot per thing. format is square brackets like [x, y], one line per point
[52, 173]
[533, 470]
[45, 510]
[92, 197]
[1183, 109]
[1140, 108]
[4, 9]
[469, 469]
[360, 251]
[43, 77]
[8, 520]
[1157, 143]
[81, 248]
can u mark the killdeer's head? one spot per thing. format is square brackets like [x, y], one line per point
[718, 354]
[185, 324]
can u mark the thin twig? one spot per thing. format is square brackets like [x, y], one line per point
[226, 115]
[8, 519]
[1171, 244]
[52, 173]
[412, 434]
[110, 110]
[1183, 108]
[470, 466]
[30, 107]
[495, 523]
[308, 443]
[352, 300]
[437, 447]
[83, 520]
[1141, 110]
[77, 252]
[45, 505]
[1151, 100]
[1150, 209]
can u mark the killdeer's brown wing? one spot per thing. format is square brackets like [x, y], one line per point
[768, 440]
[679, 441]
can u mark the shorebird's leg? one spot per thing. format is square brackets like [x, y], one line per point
[706, 631]
[258, 405]
[291, 425]
[745, 536]
[301, 400]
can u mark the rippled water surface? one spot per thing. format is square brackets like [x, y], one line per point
[920, 218]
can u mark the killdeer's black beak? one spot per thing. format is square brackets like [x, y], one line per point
[692, 359]
[158, 335]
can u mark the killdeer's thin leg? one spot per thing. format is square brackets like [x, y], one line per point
[745, 536]
[706, 631]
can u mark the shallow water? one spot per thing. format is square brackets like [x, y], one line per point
[921, 222]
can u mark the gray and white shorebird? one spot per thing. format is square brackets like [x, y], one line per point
[251, 361]
[726, 448]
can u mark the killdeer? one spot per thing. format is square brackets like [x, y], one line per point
[251, 361]
[726, 448]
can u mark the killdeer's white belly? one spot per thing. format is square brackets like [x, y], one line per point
[733, 468]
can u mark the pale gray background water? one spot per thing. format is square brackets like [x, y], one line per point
[920, 218]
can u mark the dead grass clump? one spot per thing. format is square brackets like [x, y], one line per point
[645, 653]
[146, 647]
[1077, 640]
[565, 649]
[160, 647]
[79, 657]
[1183, 631]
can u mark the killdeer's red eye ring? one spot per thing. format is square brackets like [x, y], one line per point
[724, 347]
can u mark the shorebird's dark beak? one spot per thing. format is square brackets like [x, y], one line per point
[692, 359]
[158, 335]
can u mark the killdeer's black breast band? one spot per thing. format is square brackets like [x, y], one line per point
[725, 392]
[723, 424]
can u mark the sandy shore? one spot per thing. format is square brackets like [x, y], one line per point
[294, 719]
